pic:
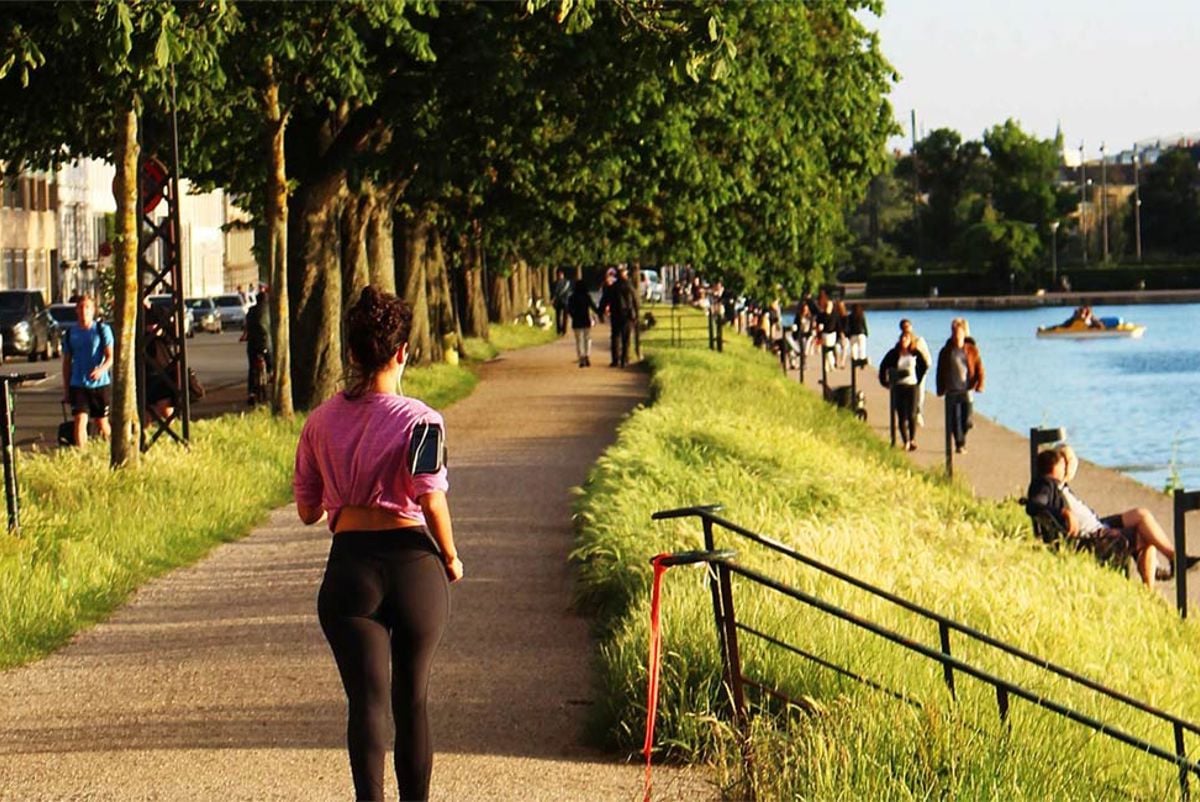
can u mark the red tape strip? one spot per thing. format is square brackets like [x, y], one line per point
[652, 666]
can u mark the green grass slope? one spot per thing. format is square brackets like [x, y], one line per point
[729, 428]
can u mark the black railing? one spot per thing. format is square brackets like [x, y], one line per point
[723, 568]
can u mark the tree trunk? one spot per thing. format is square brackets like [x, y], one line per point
[442, 315]
[355, 272]
[500, 306]
[475, 317]
[125, 423]
[277, 248]
[317, 312]
[381, 261]
[416, 290]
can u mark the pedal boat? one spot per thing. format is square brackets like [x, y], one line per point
[1078, 330]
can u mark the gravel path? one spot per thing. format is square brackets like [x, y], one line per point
[214, 682]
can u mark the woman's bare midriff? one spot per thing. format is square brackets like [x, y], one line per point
[370, 519]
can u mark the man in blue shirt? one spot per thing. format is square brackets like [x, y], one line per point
[87, 359]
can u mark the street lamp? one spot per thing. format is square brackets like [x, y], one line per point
[1083, 182]
[1053, 255]
[1137, 207]
[1104, 201]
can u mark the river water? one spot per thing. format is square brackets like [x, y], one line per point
[1131, 405]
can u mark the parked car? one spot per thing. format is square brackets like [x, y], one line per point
[168, 302]
[62, 317]
[25, 324]
[205, 314]
[652, 288]
[233, 311]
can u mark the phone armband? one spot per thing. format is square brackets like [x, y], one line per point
[426, 449]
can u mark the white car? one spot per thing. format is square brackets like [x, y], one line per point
[652, 288]
[233, 311]
[205, 314]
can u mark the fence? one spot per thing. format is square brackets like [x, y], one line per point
[722, 569]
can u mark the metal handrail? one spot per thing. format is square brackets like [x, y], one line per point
[706, 512]
[728, 627]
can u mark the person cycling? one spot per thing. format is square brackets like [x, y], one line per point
[373, 461]
[256, 333]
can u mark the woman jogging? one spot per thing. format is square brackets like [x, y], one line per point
[372, 460]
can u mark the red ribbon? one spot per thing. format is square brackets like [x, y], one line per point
[652, 666]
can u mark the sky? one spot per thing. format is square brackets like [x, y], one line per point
[1113, 71]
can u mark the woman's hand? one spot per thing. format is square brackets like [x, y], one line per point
[454, 569]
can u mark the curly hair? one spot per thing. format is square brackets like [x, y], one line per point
[376, 327]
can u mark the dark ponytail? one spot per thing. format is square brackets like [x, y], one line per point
[376, 327]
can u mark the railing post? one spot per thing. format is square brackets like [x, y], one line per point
[1180, 750]
[1036, 438]
[10, 463]
[1002, 703]
[803, 357]
[733, 660]
[712, 334]
[892, 406]
[824, 373]
[720, 334]
[1185, 502]
[715, 592]
[949, 423]
[947, 671]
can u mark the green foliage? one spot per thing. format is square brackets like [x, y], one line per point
[1171, 203]
[1000, 248]
[728, 428]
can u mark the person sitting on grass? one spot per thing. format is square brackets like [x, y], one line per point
[1133, 533]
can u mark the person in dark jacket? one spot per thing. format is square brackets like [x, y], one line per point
[560, 291]
[901, 370]
[959, 374]
[580, 308]
[856, 332]
[619, 304]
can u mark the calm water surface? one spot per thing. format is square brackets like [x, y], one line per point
[1132, 405]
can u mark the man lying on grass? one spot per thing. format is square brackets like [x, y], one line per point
[1112, 538]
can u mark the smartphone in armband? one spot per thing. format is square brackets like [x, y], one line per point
[426, 449]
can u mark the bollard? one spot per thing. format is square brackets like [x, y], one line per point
[949, 423]
[8, 443]
[1036, 438]
[1185, 502]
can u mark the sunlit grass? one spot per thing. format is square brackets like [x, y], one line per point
[91, 536]
[729, 429]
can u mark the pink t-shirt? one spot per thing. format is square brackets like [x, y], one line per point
[354, 452]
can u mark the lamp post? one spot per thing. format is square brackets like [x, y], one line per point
[1104, 201]
[1053, 255]
[1137, 207]
[1083, 203]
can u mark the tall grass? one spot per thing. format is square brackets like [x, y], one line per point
[91, 536]
[728, 428]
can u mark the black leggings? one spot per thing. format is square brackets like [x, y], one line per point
[906, 410]
[385, 599]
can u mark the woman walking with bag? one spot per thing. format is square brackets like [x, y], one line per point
[373, 461]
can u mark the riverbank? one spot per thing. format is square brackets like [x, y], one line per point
[730, 428]
[1032, 301]
[996, 465]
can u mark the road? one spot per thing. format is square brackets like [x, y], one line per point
[218, 359]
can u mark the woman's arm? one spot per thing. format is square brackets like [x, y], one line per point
[437, 516]
[310, 515]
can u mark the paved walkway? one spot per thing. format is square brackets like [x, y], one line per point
[996, 465]
[214, 682]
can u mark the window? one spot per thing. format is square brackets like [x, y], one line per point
[20, 276]
[6, 266]
[70, 235]
[12, 193]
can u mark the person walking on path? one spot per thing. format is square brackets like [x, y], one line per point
[901, 371]
[560, 292]
[856, 331]
[959, 374]
[372, 461]
[581, 308]
[619, 304]
[922, 348]
[86, 362]
[256, 333]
